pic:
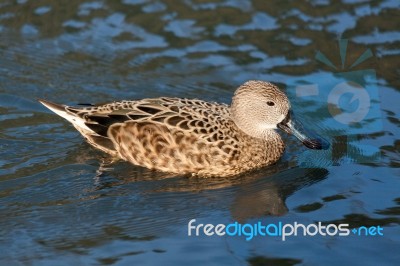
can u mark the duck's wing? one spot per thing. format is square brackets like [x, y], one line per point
[105, 125]
[194, 116]
[183, 136]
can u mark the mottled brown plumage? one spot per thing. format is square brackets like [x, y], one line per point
[188, 136]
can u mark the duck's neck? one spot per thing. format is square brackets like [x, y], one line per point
[256, 130]
[247, 118]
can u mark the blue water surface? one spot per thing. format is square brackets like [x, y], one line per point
[64, 203]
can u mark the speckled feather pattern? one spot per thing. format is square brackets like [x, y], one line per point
[176, 135]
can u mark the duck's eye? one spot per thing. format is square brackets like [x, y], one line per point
[270, 103]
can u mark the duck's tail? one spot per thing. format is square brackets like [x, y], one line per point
[62, 110]
[71, 114]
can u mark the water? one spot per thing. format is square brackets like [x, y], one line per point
[63, 203]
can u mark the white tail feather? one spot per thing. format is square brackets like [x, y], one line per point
[78, 122]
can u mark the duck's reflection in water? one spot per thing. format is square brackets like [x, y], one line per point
[251, 195]
[266, 196]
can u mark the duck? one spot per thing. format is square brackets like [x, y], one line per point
[192, 136]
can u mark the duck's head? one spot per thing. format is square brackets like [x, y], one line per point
[259, 107]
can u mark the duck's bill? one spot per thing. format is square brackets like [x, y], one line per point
[309, 139]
